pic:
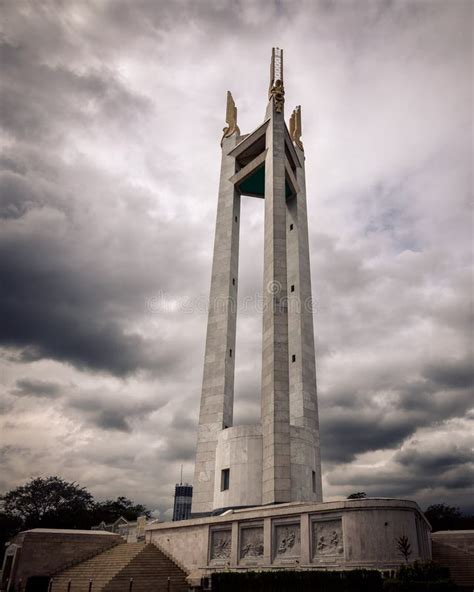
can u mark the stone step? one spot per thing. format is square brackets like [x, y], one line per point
[460, 562]
[111, 571]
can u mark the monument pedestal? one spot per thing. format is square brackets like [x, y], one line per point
[347, 534]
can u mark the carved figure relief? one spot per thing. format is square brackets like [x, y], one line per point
[251, 542]
[231, 118]
[295, 127]
[287, 540]
[220, 544]
[327, 539]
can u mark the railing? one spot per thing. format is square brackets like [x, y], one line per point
[91, 585]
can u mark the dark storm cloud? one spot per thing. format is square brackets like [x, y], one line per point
[52, 311]
[397, 483]
[182, 423]
[55, 97]
[56, 305]
[26, 387]
[103, 409]
[414, 472]
[347, 433]
[180, 450]
[432, 461]
[354, 422]
[458, 374]
[109, 409]
[111, 420]
[68, 298]
[15, 196]
[50, 308]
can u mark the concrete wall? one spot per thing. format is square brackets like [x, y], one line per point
[240, 450]
[303, 390]
[217, 397]
[184, 541]
[43, 552]
[275, 397]
[304, 461]
[333, 535]
[372, 535]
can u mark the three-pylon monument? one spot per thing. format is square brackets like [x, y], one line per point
[279, 460]
[257, 500]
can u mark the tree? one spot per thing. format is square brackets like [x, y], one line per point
[358, 495]
[110, 510]
[443, 517]
[404, 547]
[50, 502]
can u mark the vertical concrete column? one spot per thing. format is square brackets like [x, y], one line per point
[234, 547]
[302, 379]
[218, 381]
[267, 541]
[276, 480]
[305, 533]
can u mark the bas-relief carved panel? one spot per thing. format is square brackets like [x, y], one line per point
[251, 542]
[327, 539]
[220, 545]
[287, 541]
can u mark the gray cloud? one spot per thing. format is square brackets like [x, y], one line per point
[433, 462]
[36, 388]
[346, 433]
[63, 299]
[111, 420]
[423, 469]
[382, 411]
[58, 96]
[458, 374]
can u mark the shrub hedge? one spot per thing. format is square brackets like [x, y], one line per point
[301, 581]
[415, 577]
[399, 586]
[420, 577]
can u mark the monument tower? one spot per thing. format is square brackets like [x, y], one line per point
[279, 459]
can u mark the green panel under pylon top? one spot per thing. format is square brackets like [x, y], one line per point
[254, 186]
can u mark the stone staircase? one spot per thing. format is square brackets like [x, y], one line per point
[112, 570]
[459, 560]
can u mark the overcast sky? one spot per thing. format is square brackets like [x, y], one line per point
[111, 117]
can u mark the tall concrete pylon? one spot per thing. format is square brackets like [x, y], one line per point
[278, 460]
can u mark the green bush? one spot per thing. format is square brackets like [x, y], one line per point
[422, 571]
[399, 586]
[420, 577]
[302, 581]
[415, 577]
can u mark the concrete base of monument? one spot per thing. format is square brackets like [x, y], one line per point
[350, 534]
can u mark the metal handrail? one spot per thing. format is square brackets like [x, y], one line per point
[91, 585]
[91, 581]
